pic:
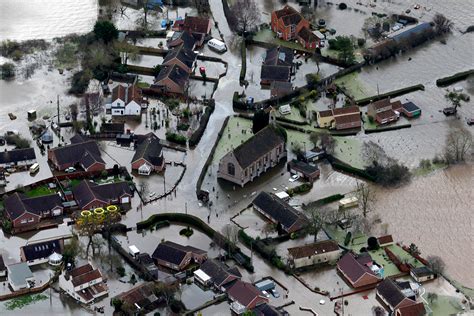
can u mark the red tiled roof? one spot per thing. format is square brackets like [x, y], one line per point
[417, 309]
[81, 270]
[86, 277]
[314, 248]
[352, 118]
[286, 10]
[196, 24]
[346, 110]
[245, 293]
[325, 113]
[386, 114]
[380, 104]
[351, 267]
[397, 106]
[385, 239]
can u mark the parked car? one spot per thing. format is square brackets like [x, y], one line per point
[470, 121]
[449, 111]
[70, 170]
[275, 293]
[294, 178]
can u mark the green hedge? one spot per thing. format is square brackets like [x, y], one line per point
[176, 138]
[349, 169]
[243, 53]
[329, 199]
[197, 135]
[387, 128]
[390, 94]
[446, 81]
[300, 189]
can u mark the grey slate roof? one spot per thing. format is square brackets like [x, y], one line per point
[277, 73]
[78, 152]
[280, 211]
[17, 155]
[17, 204]
[258, 145]
[219, 272]
[175, 73]
[186, 56]
[149, 149]
[281, 56]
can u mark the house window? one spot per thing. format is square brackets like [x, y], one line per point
[23, 221]
[231, 169]
[31, 220]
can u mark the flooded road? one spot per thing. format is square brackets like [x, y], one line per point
[45, 19]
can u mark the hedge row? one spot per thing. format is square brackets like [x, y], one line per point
[327, 200]
[387, 128]
[300, 189]
[390, 94]
[196, 136]
[287, 120]
[349, 169]
[197, 223]
[403, 267]
[446, 81]
[176, 138]
[243, 70]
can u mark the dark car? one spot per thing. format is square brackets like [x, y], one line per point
[449, 111]
[322, 22]
[470, 121]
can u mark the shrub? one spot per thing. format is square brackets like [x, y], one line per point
[348, 238]
[176, 138]
[18, 141]
[7, 71]
[196, 136]
[105, 30]
[182, 127]
[360, 42]
[188, 232]
[121, 271]
[392, 174]
[342, 6]
[372, 243]
[425, 164]
[300, 189]
[162, 224]
[80, 82]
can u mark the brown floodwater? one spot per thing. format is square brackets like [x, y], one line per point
[435, 212]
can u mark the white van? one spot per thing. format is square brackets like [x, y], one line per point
[34, 168]
[217, 45]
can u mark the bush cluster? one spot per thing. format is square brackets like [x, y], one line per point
[176, 138]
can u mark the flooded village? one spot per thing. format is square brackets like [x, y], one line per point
[236, 157]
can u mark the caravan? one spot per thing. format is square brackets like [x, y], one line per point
[217, 45]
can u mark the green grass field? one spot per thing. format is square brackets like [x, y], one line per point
[354, 86]
[268, 36]
[233, 136]
[39, 191]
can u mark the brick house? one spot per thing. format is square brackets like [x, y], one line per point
[148, 155]
[278, 66]
[340, 118]
[172, 79]
[25, 213]
[326, 251]
[126, 101]
[244, 297]
[80, 153]
[90, 195]
[391, 296]
[289, 25]
[84, 284]
[382, 111]
[181, 56]
[177, 257]
[17, 157]
[220, 275]
[198, 26]
[252, 158]
[359, 271]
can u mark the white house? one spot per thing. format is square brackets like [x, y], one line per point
[126, 101]
[326, 251]
[84, 283]
[20, 276]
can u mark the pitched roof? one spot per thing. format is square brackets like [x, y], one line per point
[112, 127]
[245, 293]
[17, 155]
[279, 56]
[386, 114]
[314, 248]
[196, 24]
[17, 204]
[142, 295]
[396, 105]
[173, 252]
[19, 272]
[266, 310]
[380, 104]
[307, 35]
[417, 309]
[258, 145]
[86, 277]
[385, 239]
[219, 272]
[421, 271]
[390, 292]
[303, 167]
[41, 250]
[351, 118]
[279, 88]
[325, 113]
[81, 270]
[280, 211]
[420, 28]
[346, 110]
[86, 192]
[149, 149]
[278, 73]
[80, 152]
[184, 38]
[286, 10]
[352, 268]
[175, 73]
[127, 94]
[186, 56]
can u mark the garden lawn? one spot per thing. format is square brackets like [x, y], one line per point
[294, 115]
[39, 191]
[348, 150]
[354, 86]
[233, 136]
[22, 301]
[405, 256]
[445, 305]
[389, 268]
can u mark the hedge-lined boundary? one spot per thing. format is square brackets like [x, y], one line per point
[243, 69]
[197, 223]
[387, 128]
[391, 94]
[197, 134]
[324, 201]
[446, 81]
[343, 167]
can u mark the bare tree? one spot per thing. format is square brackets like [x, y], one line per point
[230, 232]
[436, 264]
[268, 228]
[373, 152]
[456, 98]
[320, 217]
[442, 24]
[458, 145]
[126, 51]
[245, 14]
[366, 198]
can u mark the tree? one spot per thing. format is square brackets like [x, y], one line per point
[372, 243]
[324, 140]
[166, 291]
[105, 31]
[268, 228]
[318, 218]
[125, 50]
[71, 250]
[458, 145]
[366, 198]
[432, 297]
[413, 249]
[344, 45]
[442, 24]
[260, 120]
[7, 71]
[373, 152]
[245, 15]
[436, 264]
[230, 232]
[456, 98]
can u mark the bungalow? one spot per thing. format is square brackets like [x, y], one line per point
[359, 271]
[26, 213]
[141, 299]
[17, 157]
[306, 171]
[80, 153]
[278, 66]
[422, 274]
[172, 79]
[38, 253]
[410, 110]
[148, 155]
[289, 24]
[181, 56]
[391, 296]
[20, 276]
[279, 212]
[90, 195]
[219, 274]
[326, 251]
[382, 112]
[254, 157]
[84, 284]
[245, 297]
[386, 240]
[177, 257]
[340, 118]
[126, 101]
